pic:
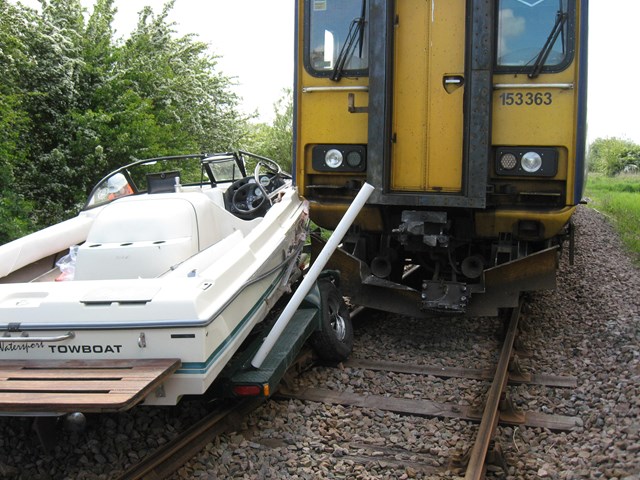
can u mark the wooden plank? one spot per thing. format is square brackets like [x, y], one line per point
[425, 408]
[66, 385]
[52, 385]
[455, 372]
[80, 385]
[398, 463]
[552, 381]
[73, 374]
[82, 364]
[60, 400]
[552, 422]
[435, 371]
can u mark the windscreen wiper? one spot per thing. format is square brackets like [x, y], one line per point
[561, 19]
[354, 36]
[361, 36]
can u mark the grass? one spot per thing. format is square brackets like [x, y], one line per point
[619, 198]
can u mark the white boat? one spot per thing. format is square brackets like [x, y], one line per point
[181, 268]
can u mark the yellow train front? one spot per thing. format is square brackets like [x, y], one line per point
[468, 117]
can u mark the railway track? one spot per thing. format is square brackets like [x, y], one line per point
[472, 463]
[497, 405]
[173, 455]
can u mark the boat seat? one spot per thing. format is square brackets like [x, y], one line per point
[43, 243]
[216, 196]
[147, 235]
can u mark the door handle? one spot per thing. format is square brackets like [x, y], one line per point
[452, 82]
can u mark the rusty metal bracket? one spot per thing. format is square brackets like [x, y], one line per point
[352, 105]
[495, 457]
[509, 414]
[459, 461]
[517, 373]
[521, 349]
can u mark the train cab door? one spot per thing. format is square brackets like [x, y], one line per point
[430, 93]
[399, 92]
[428, 96]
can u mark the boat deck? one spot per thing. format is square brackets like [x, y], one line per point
[79, 386]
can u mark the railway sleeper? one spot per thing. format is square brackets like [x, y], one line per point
[422, 408]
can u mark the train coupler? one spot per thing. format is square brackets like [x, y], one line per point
[445, 297]
[420, 229]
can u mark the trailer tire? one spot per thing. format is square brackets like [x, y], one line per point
[333, 342]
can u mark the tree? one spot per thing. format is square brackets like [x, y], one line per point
[176, 82]
[14, 124]
[610, 156]
[276, 140]
[54, 177]
[76, 103]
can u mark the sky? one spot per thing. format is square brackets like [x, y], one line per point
[232, 28]
[614, 70]
[235, 30]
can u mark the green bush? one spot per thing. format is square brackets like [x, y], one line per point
[77, 101]
[610, 156]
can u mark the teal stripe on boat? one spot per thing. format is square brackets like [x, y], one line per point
[198, 368]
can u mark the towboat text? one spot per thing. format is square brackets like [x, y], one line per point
[85, 348]
[25, 347]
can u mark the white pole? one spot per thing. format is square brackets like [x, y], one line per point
[312, 275]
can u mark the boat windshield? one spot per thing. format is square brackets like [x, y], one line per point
[163, 174]
[222, 168]
[533, 34]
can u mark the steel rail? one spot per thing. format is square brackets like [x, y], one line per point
[169, 458]
[476, 468]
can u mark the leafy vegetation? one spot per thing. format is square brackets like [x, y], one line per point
[613, 187]
[611, 156]
[276, 140]
[76, 102]
[619, 198]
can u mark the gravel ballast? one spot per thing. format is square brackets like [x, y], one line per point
[589, 327]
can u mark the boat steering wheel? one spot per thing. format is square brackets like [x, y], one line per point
[272, 169]
[254, 194]
[249, 198]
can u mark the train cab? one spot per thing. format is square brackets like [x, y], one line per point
[468, 117]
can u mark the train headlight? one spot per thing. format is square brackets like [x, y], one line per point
[508, 161]
[339, 158]
[531, 162]
[333, 158]
[526, 161]
[354, 159]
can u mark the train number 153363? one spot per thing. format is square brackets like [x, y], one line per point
[529, 98]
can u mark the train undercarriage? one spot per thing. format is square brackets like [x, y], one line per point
[430, 264]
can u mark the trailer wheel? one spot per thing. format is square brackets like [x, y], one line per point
[334, 341]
